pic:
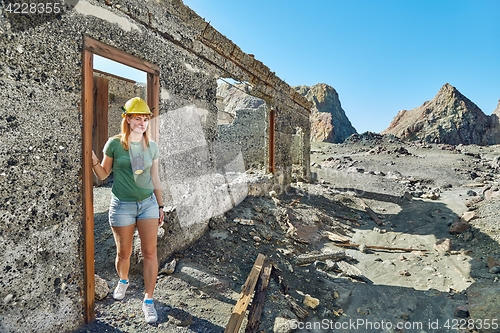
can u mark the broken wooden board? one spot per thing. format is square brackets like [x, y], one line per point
[246, 294]
[384, 248]
[371, 213]
[336, 237]
[255, 310]
[310, 257]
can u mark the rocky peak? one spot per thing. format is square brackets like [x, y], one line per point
[328, 120]
[497, 110]
[449, 117]
[232, 97]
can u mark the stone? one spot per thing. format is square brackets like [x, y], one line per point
[311, 302]
[495, 270]
[458, 227]
[432, 196]
[471, 193]
[492, 262]
[101, 288]
[363, 311]
[180, 317]
[282, 325]
[461, 312]
[443, 245]
[407, 195]
[467, 216]
[8, 298]
[169, 268]
[404, 272]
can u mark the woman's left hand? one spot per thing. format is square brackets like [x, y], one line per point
[162, 216]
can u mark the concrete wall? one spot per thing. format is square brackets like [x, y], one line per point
[249, 131]
[41, 260]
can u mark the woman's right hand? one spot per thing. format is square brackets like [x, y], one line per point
[94, 158]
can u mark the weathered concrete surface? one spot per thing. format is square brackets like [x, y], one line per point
[41, 237]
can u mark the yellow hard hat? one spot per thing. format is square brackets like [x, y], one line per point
[136, 105]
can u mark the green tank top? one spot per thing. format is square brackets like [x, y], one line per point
[128, 186]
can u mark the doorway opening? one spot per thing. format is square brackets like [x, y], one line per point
[95, 109]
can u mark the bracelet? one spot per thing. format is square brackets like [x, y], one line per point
[160, 207]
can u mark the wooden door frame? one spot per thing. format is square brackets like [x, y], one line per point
[272, 139]
[91, 47]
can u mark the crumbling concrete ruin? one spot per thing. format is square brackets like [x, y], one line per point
[46, 85]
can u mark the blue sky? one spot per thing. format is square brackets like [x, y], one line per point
[381, 56]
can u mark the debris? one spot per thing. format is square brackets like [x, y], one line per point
[431, 195]
[255, 310]
[297, 309]
[374, 247]
[371, 213]
[101, 288]
[180, 317]
[169, 268]
[461, 312]
[343, 217]
[244, 221]
[311, 302]
[240, 308]
[351, 271]
[443, 245]
[282, 325]
[310, 257]
[458, 227]
[407, 195]
[363, 311]
[471, 193]
[335, 237]
[277, 276]
[492, 262]
[404, 272]
[495, 270]
[473, 201]
[467, 216]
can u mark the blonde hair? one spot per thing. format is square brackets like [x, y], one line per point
[125, 133]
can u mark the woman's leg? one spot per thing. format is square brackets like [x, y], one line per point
[124, 237]
[148, 232]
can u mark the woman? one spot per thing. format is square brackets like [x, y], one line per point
[136, 197]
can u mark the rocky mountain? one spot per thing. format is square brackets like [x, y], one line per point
[232, 97]
[329, 122]
[448, 118]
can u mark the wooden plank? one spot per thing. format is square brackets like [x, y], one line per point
[153, 83]
[272, 133]
[375, 247]
[371, 213]
[87, 186]
[100, 121]
[240, 308]
[259, 299]
[120, 56]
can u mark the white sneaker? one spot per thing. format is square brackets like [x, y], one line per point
[149, 312]
[120, 290]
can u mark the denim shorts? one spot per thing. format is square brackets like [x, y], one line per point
[124, 213]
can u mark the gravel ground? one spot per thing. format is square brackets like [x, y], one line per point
[417, 191]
